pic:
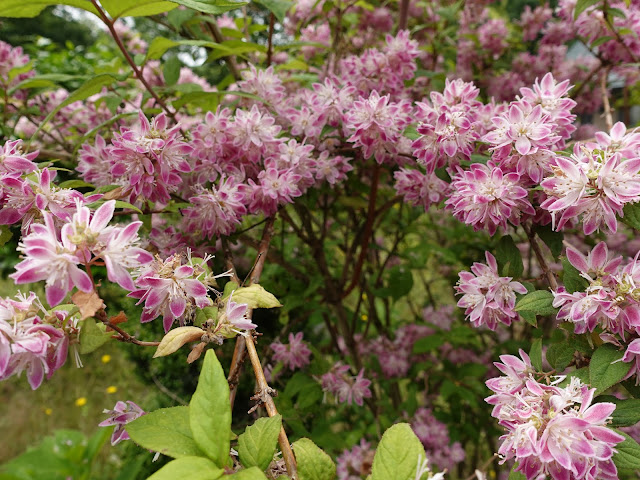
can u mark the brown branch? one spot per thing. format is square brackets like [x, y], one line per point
[264, 394]
[272, 21]
[263, 248]
[551, 278]
[608, 119]
[403, 20]
[168, 392]
[126, 338]
[364, 248]
[138, 73]
[217, 35]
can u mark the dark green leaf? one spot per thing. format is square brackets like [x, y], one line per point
[5, 234]
[214, 7]
[631, 212]
[538, 302]
[171, 70]
[552, 239]
[210, 411]
[509, 258]
[536, 354]
[628, 455]
[257, 444]
[603, 372]
[571, 278]
[582, 5]
[136, 8]
[560, 355]
[32, 8]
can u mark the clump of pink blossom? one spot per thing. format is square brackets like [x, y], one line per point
[344, 387]
[293, 355]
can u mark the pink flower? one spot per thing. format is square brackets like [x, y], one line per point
[236, 315]
[14, 160]
[551, 431]
[418, 188]
[52, 259]
[488, 299]
[486, 197]
[170, 289]
[121, 414]
[345, 388]
[355, 463]
[26, 343]
[294, 355]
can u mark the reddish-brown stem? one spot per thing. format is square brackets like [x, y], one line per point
[403, 19]
[138, 73]
[364, 247]
[551, 278]
[272, 21]
[123, 336]
[217, 36]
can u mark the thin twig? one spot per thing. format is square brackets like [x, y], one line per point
[551, 278]
[168, 392]
[272, 21]
[403, 20]
[138, 73]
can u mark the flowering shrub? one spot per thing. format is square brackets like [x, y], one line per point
[316, 199]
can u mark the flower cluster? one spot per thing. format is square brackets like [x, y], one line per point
[434, 435]
[488, 299]
[173, 289]
[121, 414]
[31, 339]
[344, 387]
[356, 463]
[551, 430]
[55, 255]
[293, 355]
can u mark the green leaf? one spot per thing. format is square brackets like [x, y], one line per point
[627, 412]
[255, 296]
[427, 344]
[215, 7]
[536, 354]
[92, 335]
[538, 302]
[631, 215]
[599, 41]
[136, 8]
[560, 355]
[509, 258]
[159, 45]
[166, 431]
[398, 454]
[603, 372]
[176, 338]
[252, 473]
[90, 87]
[171, 70]
[313, 463]
[552, 239]
[210, 411]
[32, 8]
[178, 16]
[278, 7]
[400, 282]
[628, 454]
[513, 475]
[188, 468]
[257, 444]
[582, 5]
[5, 234]
[74, 184]
[571, 278]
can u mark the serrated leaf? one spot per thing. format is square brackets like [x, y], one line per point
[538, 302]
[627, 412]
[313, 462]
[188, 468]
[32, 8]
[166, 431]
[631, 215]
[509, 258]
[628, 453]
[92, 336]
[278, 7]
[535, 354]
[604, 369]
[560, 355]
[582, 5]
[5, 234]
[398, 454]
[257, 444]
[136, 8]
[551, 238]
[210, 411]
[215, 7]
[255, 296]
[176, 338]
[571, 278]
